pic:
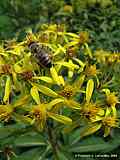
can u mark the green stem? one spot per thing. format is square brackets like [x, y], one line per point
[52, 140]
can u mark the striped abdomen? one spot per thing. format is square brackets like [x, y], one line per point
[40, 54]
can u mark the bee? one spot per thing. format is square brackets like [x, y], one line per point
[37, 50]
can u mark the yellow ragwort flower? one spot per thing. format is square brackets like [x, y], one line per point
[40, 113]
[5, 112]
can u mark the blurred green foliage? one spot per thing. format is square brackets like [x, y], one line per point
[101, 19]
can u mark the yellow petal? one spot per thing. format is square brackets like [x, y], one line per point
[114, 111]
[101, 112]
[106, 131]
[21, 101]
[79, 62]
[7, 90]
[55, 75]
[108, 111]
[45, 90]
[45, 79]
[89, 90]
[78, 83]
[14, 76]
[70, 74]
[13, 52]
[91, 129]
[88, 50]
[68, 65]
[54, 102]
[62, 82]
[107, 91]
[60, 118]
[72, 104]
[17, 68]
[72, 34]
[35, 95]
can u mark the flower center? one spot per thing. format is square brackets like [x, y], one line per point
[91, 70]
[37, 114]
[112, 99]
[110, 121]
[27, 75]
[6, 68]
[67, 92]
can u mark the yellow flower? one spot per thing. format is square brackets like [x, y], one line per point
[5, 69]
[68, 8]
[40, 113]
[91, 70]
[109, 121]
[83, 37]
[67, 92]
[112, 99]
[5, 112]
[92, 112]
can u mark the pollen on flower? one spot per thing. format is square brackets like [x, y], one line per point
[83, 37]
[67, 92]
[89, 111]
[71, 52]
[112, 99]
[110, 121]
[5, 114]
[27, 75]
[37, 114]
[91, 70]
[6, 68]
[113, 58]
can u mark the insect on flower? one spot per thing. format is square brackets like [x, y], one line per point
[39, 53]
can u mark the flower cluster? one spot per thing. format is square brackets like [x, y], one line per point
[78, 79]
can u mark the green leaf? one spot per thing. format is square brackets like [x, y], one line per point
[29, 140]
[62, 156]
[33, 154]
[91, 148]
[8, 130]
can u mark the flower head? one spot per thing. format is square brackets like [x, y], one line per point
[112, 99]
[5, 112]
[40, 113]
